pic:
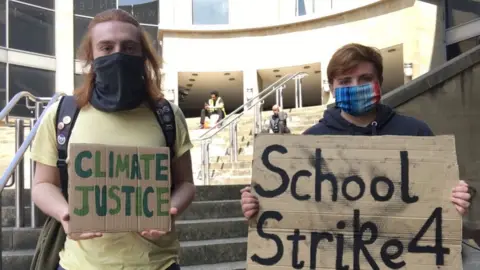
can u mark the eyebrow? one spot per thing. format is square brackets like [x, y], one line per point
[102, 42]
[349, 76]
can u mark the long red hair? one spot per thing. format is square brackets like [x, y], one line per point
[152, 61]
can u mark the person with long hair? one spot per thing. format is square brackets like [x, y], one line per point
[114, 101]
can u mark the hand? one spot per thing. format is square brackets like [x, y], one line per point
[249, 203]
[77, 236]
[461, 197]
[156, 234]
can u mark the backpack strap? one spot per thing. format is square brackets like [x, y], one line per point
[166, 118]
[67, 113]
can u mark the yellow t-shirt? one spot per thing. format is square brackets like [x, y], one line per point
[139, 127]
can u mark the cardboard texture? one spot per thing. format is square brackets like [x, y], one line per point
[127, 188]
[354, 202]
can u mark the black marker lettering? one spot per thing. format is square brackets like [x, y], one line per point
[405, 178]
[316, 238]
[374, 189]
[438, 249]
[320, 177]
[359, 182]
[266, 162]
[340, 243]
[387, 258]
[293, 188]
[261, 220]
[296, 237]
[359, 243]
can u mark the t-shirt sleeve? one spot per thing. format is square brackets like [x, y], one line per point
[182, 140]
[44, 146]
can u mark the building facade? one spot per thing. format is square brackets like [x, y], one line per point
[237, 47]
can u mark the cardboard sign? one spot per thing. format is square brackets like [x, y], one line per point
[118, 188]
[351, 202]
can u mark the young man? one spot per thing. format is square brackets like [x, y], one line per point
[215, 105]
[278, 121]
[114, 110]
[355, 72]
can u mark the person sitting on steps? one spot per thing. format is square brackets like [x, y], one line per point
[215, 105]
[278, 121]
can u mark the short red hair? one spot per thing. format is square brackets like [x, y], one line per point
[349, 56]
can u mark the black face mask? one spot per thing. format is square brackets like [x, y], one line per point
[119, 82]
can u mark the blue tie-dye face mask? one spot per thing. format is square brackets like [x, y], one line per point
[359, 99]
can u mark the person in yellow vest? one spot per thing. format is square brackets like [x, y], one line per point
[215, 105]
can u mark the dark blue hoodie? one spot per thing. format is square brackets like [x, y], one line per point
[387, 122]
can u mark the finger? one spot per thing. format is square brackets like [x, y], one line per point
[156, 233]
[247, 188]
[89, 235]
[461, 210]
[461, 203]
[173, 211]
[463, 183]
[462, 195]
[249, 214]
[249, 200]
[460, 189]
[249, 207]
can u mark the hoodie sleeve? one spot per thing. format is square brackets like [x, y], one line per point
[424, 130]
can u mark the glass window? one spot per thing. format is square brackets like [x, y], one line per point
[39, 82]
[43, 3]
[92, 7]
[80, 25]
[3, 85]
[145, 11]
[78, 80]
[210, 11]
[3, 26]
[462, 11]
[31, 29]
[307, 7]
[454, 50]
[152, 31]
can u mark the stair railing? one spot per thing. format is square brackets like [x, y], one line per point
[232, 120]
[16, 168]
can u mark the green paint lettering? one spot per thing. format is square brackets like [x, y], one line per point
[122, 165]
[161, 175]
[138, 196]
[98, 165]
[79, 171]
[135, 172]
[85, 207]
[146, 158]
[111, 161]
[128, 190]
[113, 194]
[160, 201]
[101, 200]
[146, 210]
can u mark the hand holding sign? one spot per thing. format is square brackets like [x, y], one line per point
[77, 236]
[155, 234]
[461, 197]
[249, 203]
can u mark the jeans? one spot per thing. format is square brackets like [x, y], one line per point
[172, 267]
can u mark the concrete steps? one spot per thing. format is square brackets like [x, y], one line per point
[212, 231]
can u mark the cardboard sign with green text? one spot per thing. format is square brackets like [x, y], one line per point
[118, 188]
[354, 202]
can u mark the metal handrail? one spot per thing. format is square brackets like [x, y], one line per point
[26, 143]
[11, 104]
[235, 115]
